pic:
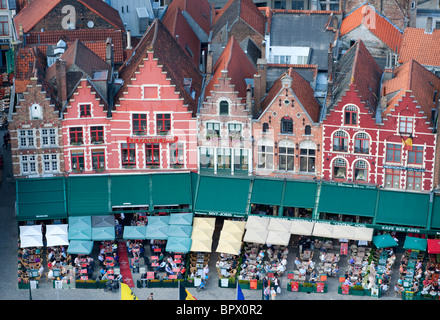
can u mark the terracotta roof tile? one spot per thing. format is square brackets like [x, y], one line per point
[239, 67]
[380, 26]
[85, 36]
[420, 46]
[199, 10]
[414, 78]
[36, 10]
[302, 90]
[246, 10]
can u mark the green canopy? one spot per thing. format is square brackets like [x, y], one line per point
[80, 247]
[135, 232]
[384, 241]
[158, 220]
[103, 233]
[178, 244]
[80, 228]
[157, 232]
[181, 218]
[176, 230]
[413, 243]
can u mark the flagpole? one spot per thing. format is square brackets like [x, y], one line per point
[178, 291]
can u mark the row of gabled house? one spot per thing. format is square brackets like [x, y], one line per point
[219, 92]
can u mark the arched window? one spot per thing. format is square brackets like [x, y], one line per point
[362, 143]
[308, 130]
[286, 125]
[340, 141]
[361, 171]
[307, 156]
[286, 155]
[340, 169]
[350, 116]
[224, 107]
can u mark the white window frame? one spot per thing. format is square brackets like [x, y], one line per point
[51, 137]
[28, 138]
[50, 159]
[27, 163]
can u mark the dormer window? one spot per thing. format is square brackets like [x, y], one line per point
[224, 108]
[351, 114]
[85, 110]
[36, 112]
[406, 125]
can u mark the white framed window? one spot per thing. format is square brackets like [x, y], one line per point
[281, 59]
[50, 163]
[265, 154]
[213, 129]
[286, 155]
[28, 164]
[235, 129]
[26, 138]
[49, 137]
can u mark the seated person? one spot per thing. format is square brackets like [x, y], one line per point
[298, 263]
[313, 277]
[168, 270]
[302, 271]
[335, 271]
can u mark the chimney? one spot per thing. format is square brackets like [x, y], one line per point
[412, 14]
[262, 70]
[249, 97]
[428, 27]
[383, 99]
[263, 49]
[109, 52]
[257, 95]
[61, 74]
[330, 62]
[129, 40]
[209, 64]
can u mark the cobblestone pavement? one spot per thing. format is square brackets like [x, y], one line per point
[8, 268]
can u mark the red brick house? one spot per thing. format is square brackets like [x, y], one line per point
[287, 132]
[407, 137]
[153, 118]
[35, 127]
[225, 118]
[350, 126]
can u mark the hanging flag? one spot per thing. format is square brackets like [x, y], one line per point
[407, 144]
[240, 295]
[184, 294]
[126, 293]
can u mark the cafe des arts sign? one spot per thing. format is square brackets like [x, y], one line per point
[155, 139]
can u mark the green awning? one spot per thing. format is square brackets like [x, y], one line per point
[348, 200]
[103, 234]
[300, 194]
[171, 189]
[268, 192]
[414, 243]
[384, 241]
[222, 196]
[178, 244]
[435, 219]
[403, 208]
[88, 195]
[130, 190]
[40, 199]
[135, 232]
[80, 247]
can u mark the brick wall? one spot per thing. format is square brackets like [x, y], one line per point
[21, 119]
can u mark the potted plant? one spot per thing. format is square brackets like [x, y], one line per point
[357, 290]
[306, 287]
[155, 283]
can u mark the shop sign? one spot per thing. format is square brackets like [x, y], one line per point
[404, 168]
[399, 229]
[42, 216]
[155, 139]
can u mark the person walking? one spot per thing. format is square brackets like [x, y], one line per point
[150, 297]
[266, 293]
[273, 293]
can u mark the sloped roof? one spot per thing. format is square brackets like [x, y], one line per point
[367, 17]
[199, 10]
[169, 54]
[357, 67]
[184, 34]
[302, 90]
[420, 46]
[310, 31]
[238, 65]
[85, 36]
[246, 10]
[36, 10]
[80, 56]
[414, 78]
